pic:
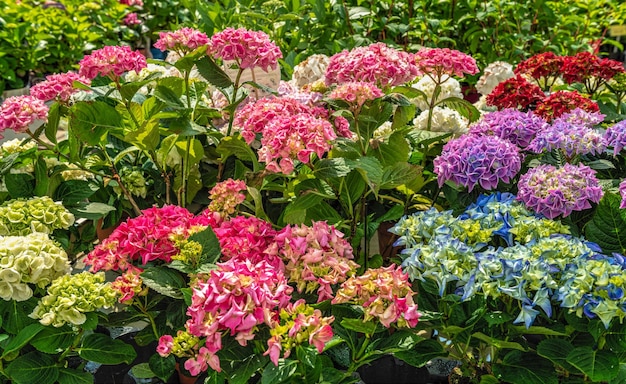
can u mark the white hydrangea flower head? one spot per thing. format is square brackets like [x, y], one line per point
[383, 132]
[494, 74]
[16, 146]
[444, 119]
[450, 87]
[310, 70]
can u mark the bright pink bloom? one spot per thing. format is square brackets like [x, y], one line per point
[356, 93]
[184, 40]
[138, 3]
[59, 86]
[316, 257]
[376, 63]
[111, 61]
[438, 62]
[17, 113]
[164, 348]
[131, 19]
[248, 48]
[128, 284]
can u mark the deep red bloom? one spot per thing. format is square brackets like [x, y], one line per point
[562, 102]
[515, 92]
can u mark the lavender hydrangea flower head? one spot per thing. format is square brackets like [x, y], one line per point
[579, 116]
[570, 136]
[622, 193]
[473, 160]
[553, 191]
[512, 124]
[615, 137]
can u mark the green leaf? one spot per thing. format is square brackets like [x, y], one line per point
[211, 249]
[33, 368]
[401, 339]
[164, 280]
[394, 150]
[422, 138]
[52, 125]
[51, 340]
[145, 137]
[234, 145]
[306, 355]
[162, 367]
[19, 185]
[168, 96]
[90, 122]
[335, 167]
[499, 344]
[498, 317]
[72, 192]
[22, 338]
[621, 376]
[371, 170]
[213, 73]
[422, 353]
[525, 368]
[15, 314]
[246, 369]
[399, 174]
[91, 211]
[488, 379]
[464, 107]
[102, 349]
[142, 371]
[279, 374]
[535, 330]
[599, 365]
[128, 90]
[360, 326]
[73, 376]
[615, 337]
[556, 350]
[295, 212]
[6, 162]
[607, 227]
[41, 177]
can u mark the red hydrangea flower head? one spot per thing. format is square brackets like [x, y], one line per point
[583, 65]
[546, 65]
[112, 61]
[59, 86]
[376, 63]
[182, 41]
[248, 48]
[515, 92]
[445, 61]
[17, 113]
[561, 102]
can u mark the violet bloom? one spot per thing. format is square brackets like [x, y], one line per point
[248, 48]
[17, 113]
[571, 138]
[112, 62]
[553, 191]
[182, 41]
[377, 63]
[59, 86]
[471, 160]
[622, 193]
[615, 137]
[511, 124]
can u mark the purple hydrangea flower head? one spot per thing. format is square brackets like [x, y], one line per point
[622, 192]
[511, 124]
[553, 191]
[615, 137]
[572, 138]
[470, 160]
[579, 116]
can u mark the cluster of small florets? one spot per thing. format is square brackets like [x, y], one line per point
[511, 124]
[448, 87]
[38, 214]
[181, 41]
[311, 70]
[494, 74]
[31, 259]
[615, 137]
[515, 92]
[226, 196]
[561, 102]
[356, 93]
[439, 62]
[112, 62]
[442, 119]
[70, 297]
[58, 87]
[249, 49]
[17, 113]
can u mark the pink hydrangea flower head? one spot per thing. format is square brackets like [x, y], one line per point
[471, 160]
[304, 96]
[58, 87]
[143, 239]
[182, 41]
[376, 63]
[225, 196]
[17, 113]
[385, 294]
[510, 124]
[554, 192]
[164, 348]
[129, 284]
[615, 137]
[112, 62]
[316, 257]
[131, 19]
[622, 193]
[438, 62]
[132, 3]
[249, 49]
[356, 93]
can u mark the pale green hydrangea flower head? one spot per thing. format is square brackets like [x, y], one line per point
[40, 214]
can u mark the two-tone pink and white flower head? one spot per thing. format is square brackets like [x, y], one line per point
[17, 113]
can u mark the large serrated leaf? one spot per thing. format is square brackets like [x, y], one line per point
[73, 376]
[169, 97]
[51, 339]
[91, 122]
[607, 227]
[393, 151]
[22, 338]
[422, 353]
[336, 167]
[15, 314]
[279, 374]
[52, 125]
[165, 281]
[599, 365]
[246, 369]
[213, 73]
[234, 145]
[525, 368]
[399, 174]
[102, 349]
[162, 367]
[33, 368]
[464, 107]
[556, 350]
[211, 249]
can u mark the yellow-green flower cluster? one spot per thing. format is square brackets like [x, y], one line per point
[531, 228]
[134, 181]
[40, 214]
[71, 296]
[32, 259]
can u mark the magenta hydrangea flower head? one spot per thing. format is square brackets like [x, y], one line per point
[615, 137]
[478, 160]
[438, 62]
[252, 118]
[356, 93]
[248, 48]
[112, 62]
[17, 113]
[510, 124]
[553, 191]
[573, 139]
[182, 41]
[58, 87]
[622, 193]
[376, 63]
